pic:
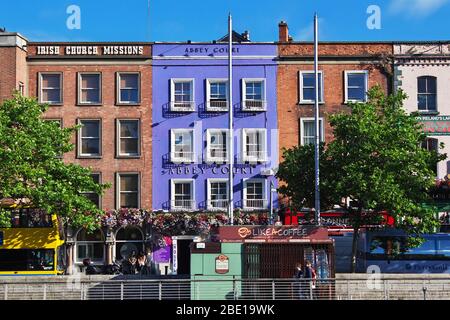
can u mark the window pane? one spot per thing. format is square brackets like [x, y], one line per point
[91, 81]
[431, 85]
[422, 101]
[90, 95]
[129, 128]
[129, 95]
[51, 95]
[129, 81]
[431, 102]
[129, 146]
[90, 128]
[422, 85]
[51, 80]
[128, 200]
[90, 146]
[356, 80]
[128, 183]
[356, 93]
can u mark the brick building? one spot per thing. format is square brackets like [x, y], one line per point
[347, 71]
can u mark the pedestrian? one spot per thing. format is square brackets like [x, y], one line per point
[141, 266]
[298, 275]
[129, 265]
[310, 275]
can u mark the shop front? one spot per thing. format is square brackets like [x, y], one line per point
[248, 254]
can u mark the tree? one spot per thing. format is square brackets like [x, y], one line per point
[376, 160]
[32, 170]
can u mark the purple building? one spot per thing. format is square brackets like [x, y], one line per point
[190, 126]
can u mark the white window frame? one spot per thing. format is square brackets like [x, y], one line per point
[118, 140]
[172, 146]
[119, 88]
[264, 195]
[90, 192]
[427, 94]
[249, 158]
[173, 107]
[118, 192]
[302, 127]
[263, 95]
[209, 158]
[346, 73]
[302, 100]
[60, 88]
[80, 139]
[84, 243]
[208, 194]
[208, 94]
[79, 89]
[172, 194]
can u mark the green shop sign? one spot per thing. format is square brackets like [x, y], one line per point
[435, 125]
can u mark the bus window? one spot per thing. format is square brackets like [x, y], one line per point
[26, 259]
[30, 218]
[443, 247]
[428, 247]
[387, 245]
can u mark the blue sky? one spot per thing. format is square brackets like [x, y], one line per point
[205, 20]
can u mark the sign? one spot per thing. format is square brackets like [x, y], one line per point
[222, 264]
[271, 233]
[1, 238]
[79, 50]
[435, 125]
[163, 251]
[209, 169]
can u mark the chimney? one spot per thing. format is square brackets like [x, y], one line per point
[283, 32]
[246, 35]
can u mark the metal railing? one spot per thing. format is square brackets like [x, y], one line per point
[182, 157]
[250, 204]
[182, 205]
[217, 105]
[182, 106]
[218, 205]
[254, 105]
[229, 289]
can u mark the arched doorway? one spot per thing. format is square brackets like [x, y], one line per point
[90, 245]
[129, 240]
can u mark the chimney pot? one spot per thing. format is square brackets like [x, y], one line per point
[283, 32]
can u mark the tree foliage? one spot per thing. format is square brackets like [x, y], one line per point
[376, 160]
[32, 170]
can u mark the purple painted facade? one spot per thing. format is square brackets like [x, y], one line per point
[195, 64]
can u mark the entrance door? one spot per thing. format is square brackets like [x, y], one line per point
[184, 256]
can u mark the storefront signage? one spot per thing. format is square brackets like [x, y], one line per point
[222, 264]
[435, 125]
[270, 233]
[213, 170]
[90, 50]
[207, 50]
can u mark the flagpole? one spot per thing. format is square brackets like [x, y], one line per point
[316, 121]
[230, 113]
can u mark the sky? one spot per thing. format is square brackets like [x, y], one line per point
[206, 20]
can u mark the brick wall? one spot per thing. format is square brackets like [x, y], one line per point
[108, 165]
[334, 59]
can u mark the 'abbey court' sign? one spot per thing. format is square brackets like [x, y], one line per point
[435, 125]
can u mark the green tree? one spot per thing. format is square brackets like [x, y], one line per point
[376, 160]
[32, 170]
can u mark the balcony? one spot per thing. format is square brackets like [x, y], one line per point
[254, 105]
[182, 205]
[218, 205]
[217, 105]
[182, 106]
[182, 157]
[255, 204]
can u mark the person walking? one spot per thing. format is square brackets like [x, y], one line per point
[298, 276]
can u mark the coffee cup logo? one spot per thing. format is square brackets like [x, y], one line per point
[244, 232]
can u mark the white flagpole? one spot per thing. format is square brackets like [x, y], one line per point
[316, 121]
[230, 113]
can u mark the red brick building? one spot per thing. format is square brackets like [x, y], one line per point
[347, 71]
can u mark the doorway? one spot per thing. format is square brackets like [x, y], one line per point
[182, 255]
